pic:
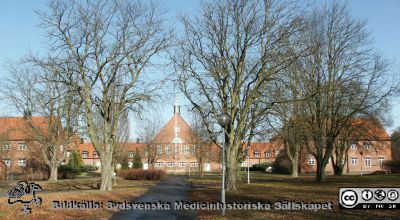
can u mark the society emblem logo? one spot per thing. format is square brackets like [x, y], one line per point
[25, 193]
[349, 198]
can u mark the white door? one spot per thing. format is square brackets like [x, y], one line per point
[145, 166]
[207, 167]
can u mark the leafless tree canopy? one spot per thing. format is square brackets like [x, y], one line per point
[105, 49]
[227, 57]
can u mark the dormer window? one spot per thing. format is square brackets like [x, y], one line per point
[353, 146]
[22, 146]
[85, 154]
[7, 147]
[367, 145]
[268, 154]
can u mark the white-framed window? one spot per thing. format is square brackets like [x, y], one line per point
[353, 146]
[85, 154]
[22, 146]
[381, 159]
[177, 129]
[7, 147]
[170, 164]
[182, 164]
[21, 162]
[180, 149]
[186, 149]
[95, 154]
[354, 161]
[68, 153]
[367, 161]
[367, 145]
[276, 153]
[159, 164]
[256, 153]
[268, 154]
[130, 154]
[194, 149]
[159, 149]
[167, 149]
[311, 160]
[7, 162]
[244, 164]
[194, 164]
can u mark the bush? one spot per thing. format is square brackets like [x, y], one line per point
[88, 168]
[139, 174]
[392, 165]
[260, 167]
[66, 172]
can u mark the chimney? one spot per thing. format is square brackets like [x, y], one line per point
[177, 108]
[137, 140]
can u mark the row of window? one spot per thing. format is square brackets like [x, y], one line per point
[354, 161]
[266, 153]
[85, 154]
[21, 162]
[367, 145]
[182, 149]
[21, 146]
[180, 164]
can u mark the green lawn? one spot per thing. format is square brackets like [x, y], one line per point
[273, 187]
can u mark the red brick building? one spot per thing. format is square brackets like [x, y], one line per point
[177, 153]
[17, 144]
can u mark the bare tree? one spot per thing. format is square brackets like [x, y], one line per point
[202, 142]
[99, 43]
[347, 76]
[30, 92]
[225, 62]
[148, 128]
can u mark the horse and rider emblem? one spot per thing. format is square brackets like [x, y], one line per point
[25, 193]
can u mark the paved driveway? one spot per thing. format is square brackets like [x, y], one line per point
[170, 189]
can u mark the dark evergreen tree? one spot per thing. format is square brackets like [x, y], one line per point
[137, 160]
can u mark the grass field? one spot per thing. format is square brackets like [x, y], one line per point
[272, 188]
[72, 190]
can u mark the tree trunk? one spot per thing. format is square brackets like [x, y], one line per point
[231, 171]
[338, 170]
[53, 172]
[107, 172]
[294, 166]
[320, 177]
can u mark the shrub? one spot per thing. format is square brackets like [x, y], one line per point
[139, 174]
[88, 168]
[76, 162]
[282, 167]
[66, 172]
[260, 167]
[392, 165]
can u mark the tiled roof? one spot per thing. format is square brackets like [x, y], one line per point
[17, 128]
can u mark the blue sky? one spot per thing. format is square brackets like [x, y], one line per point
[20, 33]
